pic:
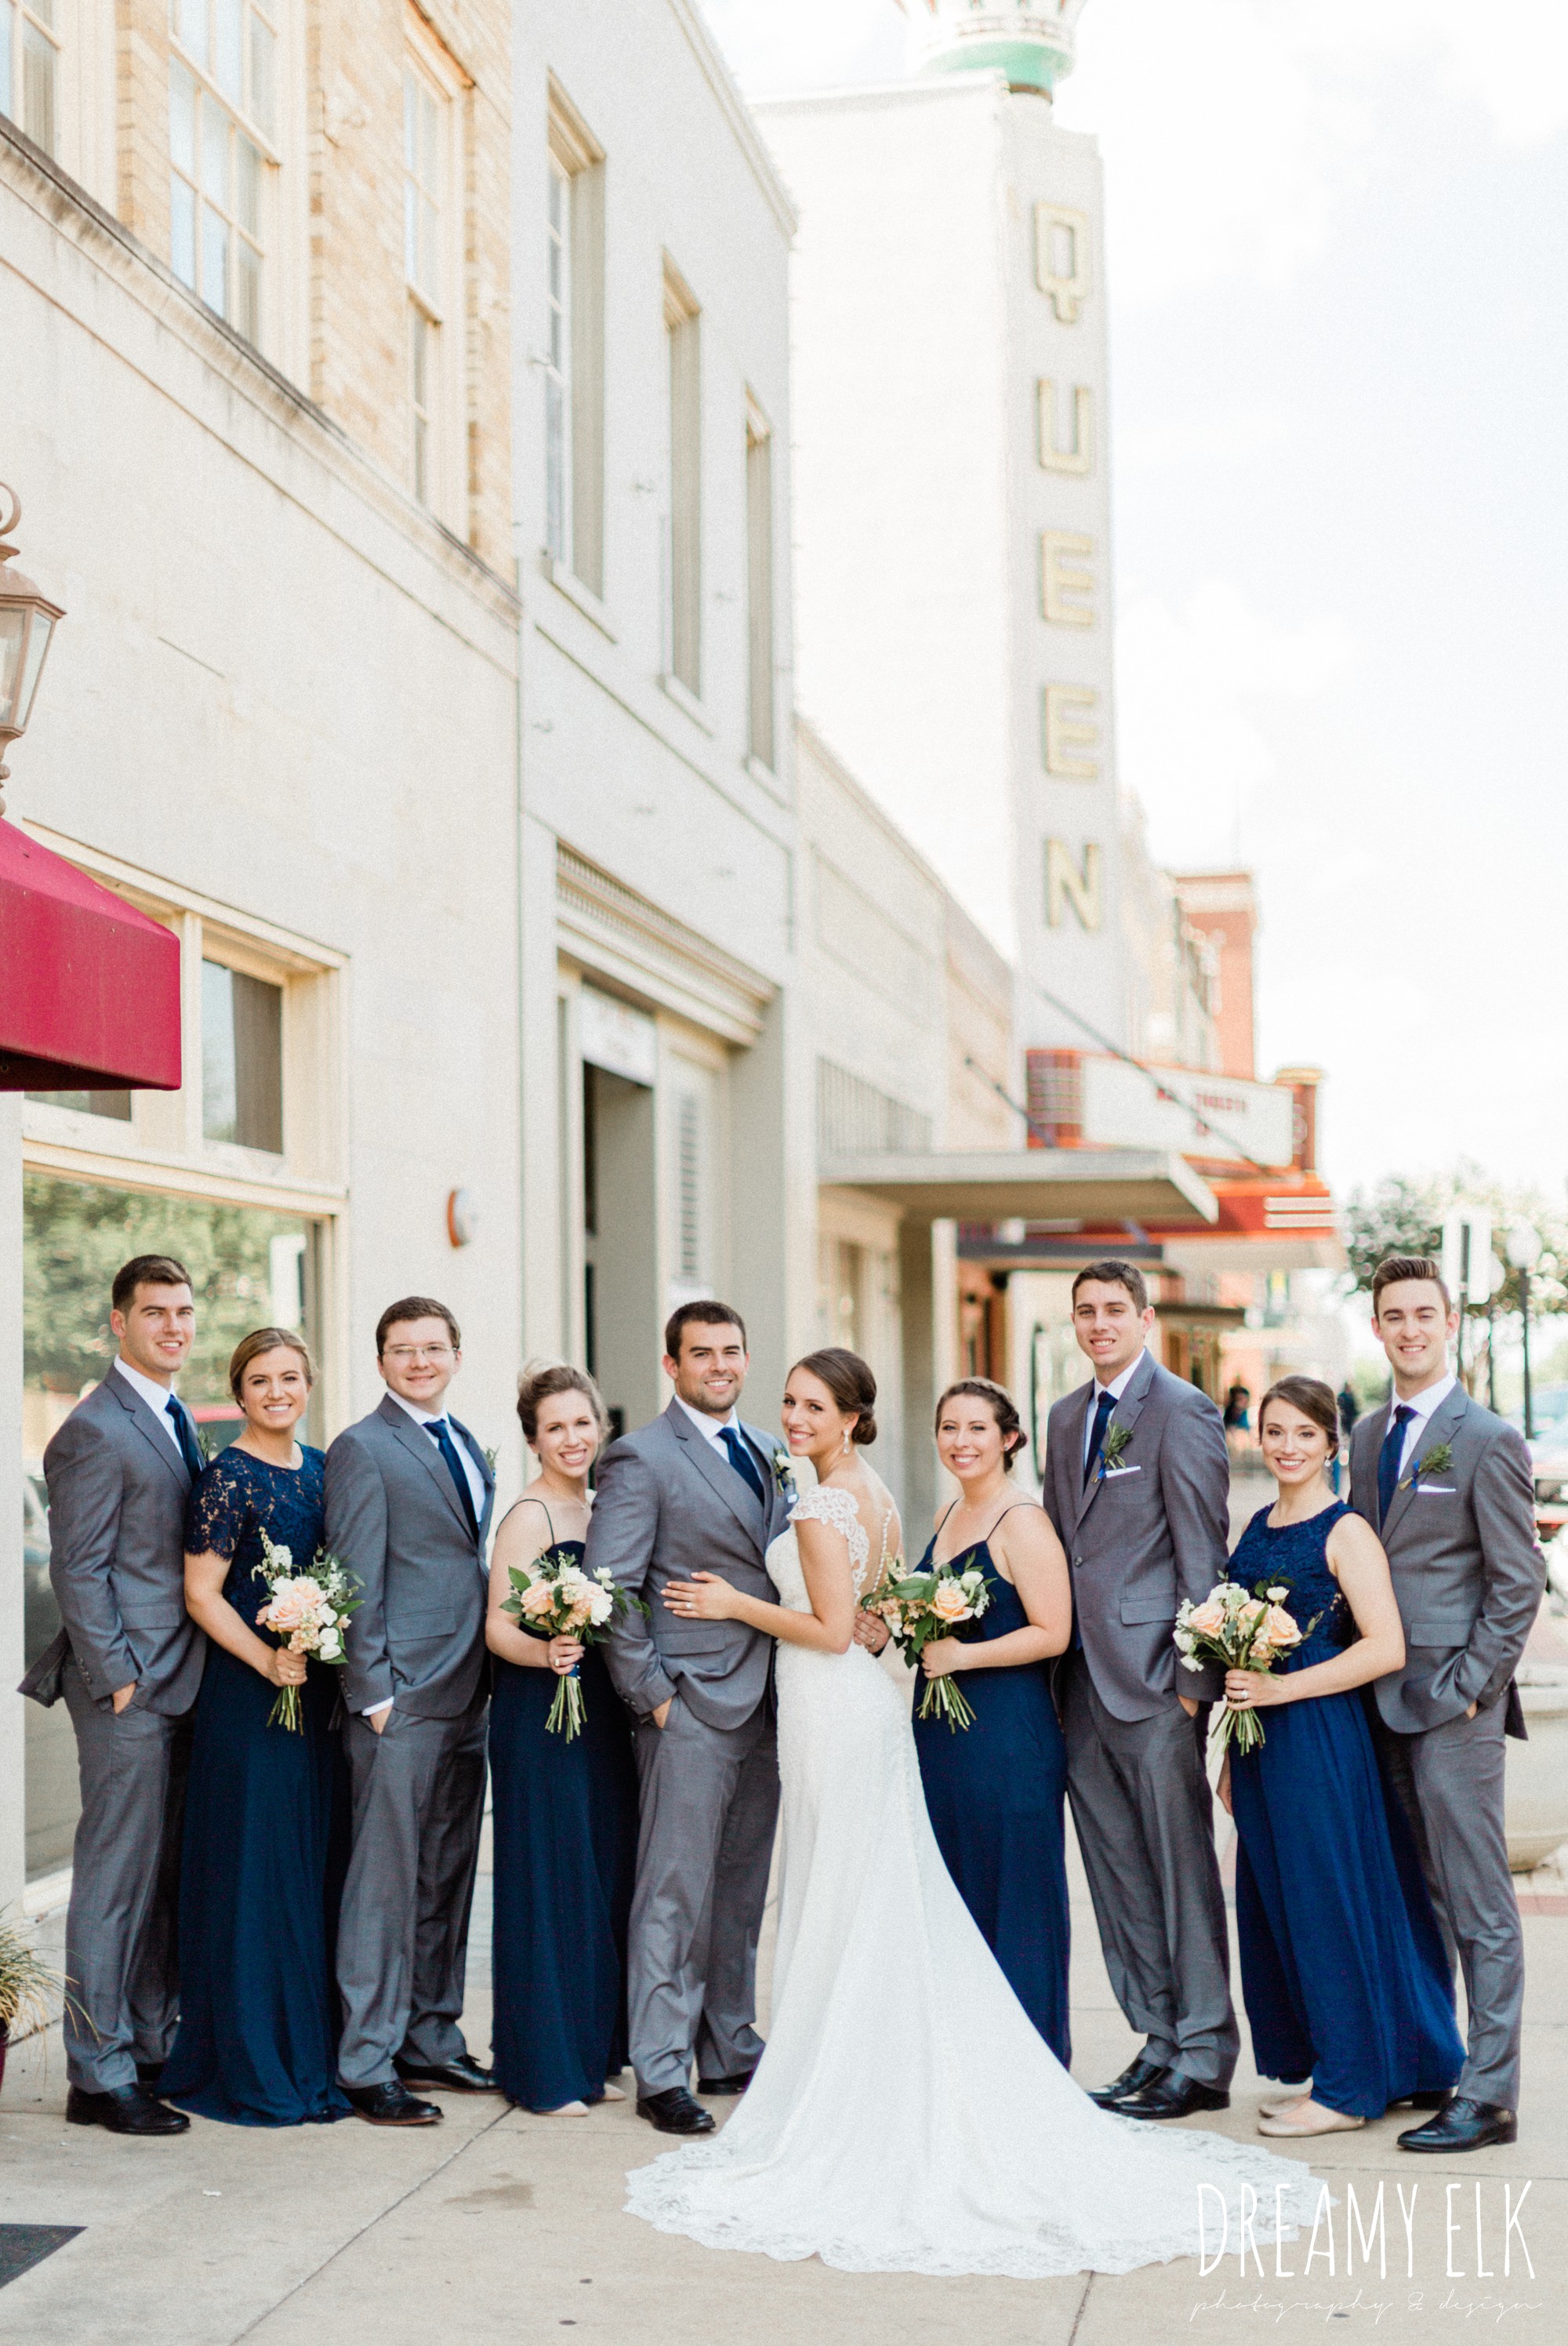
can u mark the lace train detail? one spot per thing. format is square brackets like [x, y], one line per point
[906, 2116]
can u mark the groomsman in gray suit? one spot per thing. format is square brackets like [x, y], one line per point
[408, 1497]
[696, 1491]
[128, 1662]
[1136, 1484]
[1448, 1490]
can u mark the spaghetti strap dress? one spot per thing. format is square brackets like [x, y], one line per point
[994, 1792]
[1343, 1972]
[565, 1846]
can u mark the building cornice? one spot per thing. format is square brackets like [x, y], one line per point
[609, 928]
[738, 113]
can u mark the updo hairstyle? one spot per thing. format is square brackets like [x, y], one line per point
[849, 1381]
[542, 1379]
[1312, 1397]
[1002, 1407]
[266, 1340]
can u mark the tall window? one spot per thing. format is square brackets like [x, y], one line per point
[575, 351]
[222, 125]
[30, 67]
[682, 323]
[759, 585]
[241, 1058]
[424, 183]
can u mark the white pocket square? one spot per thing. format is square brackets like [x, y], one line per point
[1437, 1490]
[1114, 1473]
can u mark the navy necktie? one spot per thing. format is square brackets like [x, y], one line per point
[1103, 1408]
[741, 1460]
[189, 1448]
[1389, 1460]
[441, 1434]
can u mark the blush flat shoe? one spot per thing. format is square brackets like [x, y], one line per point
[1277, 2104]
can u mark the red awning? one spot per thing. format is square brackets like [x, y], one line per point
[89, 987]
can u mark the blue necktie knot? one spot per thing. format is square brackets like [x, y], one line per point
[1389, 1459]
[740, 1458]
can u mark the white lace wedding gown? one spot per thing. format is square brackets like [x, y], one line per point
[906, 2116]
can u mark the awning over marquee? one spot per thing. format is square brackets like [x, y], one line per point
[1093, 1186]
[89, 987]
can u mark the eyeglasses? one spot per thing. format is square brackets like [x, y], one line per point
[407, 1355]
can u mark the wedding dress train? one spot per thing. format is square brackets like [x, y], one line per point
[906, 2116]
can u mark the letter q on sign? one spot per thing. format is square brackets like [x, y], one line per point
[462, 1218]
[1062, 259]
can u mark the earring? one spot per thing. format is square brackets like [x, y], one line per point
[846, 1448]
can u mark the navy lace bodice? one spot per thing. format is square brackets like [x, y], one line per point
[240, 1497]
[1295, 1555]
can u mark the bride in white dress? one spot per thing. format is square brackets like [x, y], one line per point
[906, 2116]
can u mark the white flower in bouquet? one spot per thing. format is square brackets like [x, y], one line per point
[308, 1611]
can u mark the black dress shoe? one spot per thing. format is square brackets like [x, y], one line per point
[462, 2075]
[726, 2085]
[392, 2105]
[124, 2109]
[1464, 2124]
[1174, 2096]
[1424, 2101]
[150, 2076]
[1134, 2079]
[673, 2112]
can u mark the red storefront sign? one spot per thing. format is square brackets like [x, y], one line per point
[89, 987]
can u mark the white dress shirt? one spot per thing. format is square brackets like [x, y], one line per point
[1425, 1404]
[156, 1398]
[1118, 1386]
[465, 1455]
[712, 1428]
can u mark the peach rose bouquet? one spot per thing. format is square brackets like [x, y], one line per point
[920, 1607]
[308, 1612]
[555, 1597]
[1242, 1629]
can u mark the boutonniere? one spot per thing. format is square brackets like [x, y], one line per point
[1438, 1460]
[1116, 1440]
[783, 1474]
[490, 1457]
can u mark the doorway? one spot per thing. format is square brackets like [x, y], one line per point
[621, 1327]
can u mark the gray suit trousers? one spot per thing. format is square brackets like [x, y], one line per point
[709, 1804]
[1144, 1820]
[403, 1931]
[1450, 1783]
[120, 1954]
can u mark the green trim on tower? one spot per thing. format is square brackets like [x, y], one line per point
[1027, 64]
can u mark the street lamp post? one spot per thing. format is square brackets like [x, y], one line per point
[1524, 1253]
[28, 622]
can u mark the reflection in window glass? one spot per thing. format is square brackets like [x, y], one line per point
[221, 79]
[241, 1058]
[29, 68]
[115, 1104]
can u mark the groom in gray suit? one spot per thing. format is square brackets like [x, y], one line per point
[128, 1662]
[1448, 1490]
[409, 1496]
[1136, 1484]
[695, 1491]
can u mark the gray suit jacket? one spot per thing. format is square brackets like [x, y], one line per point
[118, 1489]
[395, 1520]
[1141, 1538]
[669, 1505]
[1467, 1570]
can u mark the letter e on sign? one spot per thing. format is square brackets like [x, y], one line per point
[1067, 590]
[1071, 712]
[1062, 259]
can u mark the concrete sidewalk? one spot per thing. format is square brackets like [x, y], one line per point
[500, 2227]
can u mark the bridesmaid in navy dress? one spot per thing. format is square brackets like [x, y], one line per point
[266, 1810]
[566, 1814]
[994, 1790]
[1348, 1991]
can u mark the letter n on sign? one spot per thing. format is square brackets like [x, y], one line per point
[1068, 884]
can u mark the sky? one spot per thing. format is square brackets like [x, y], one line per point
[1338, 355]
